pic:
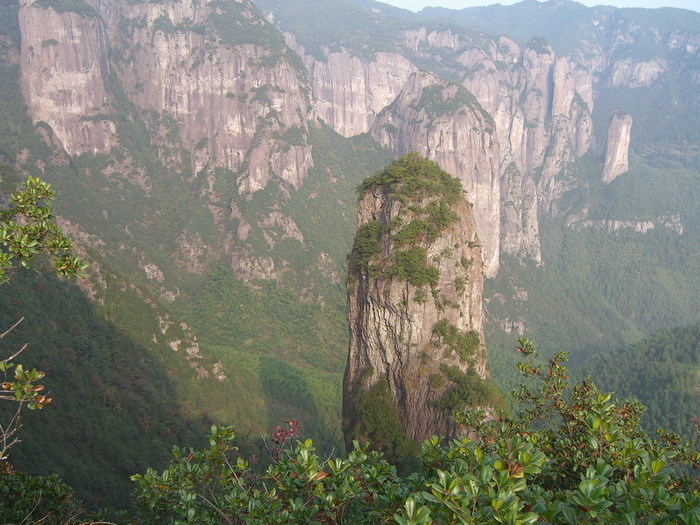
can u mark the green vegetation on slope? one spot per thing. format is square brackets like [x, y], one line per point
[275, 353]
[414, 177]
[595, 291]
[115, 409]
[566, 25]
[467, 390]
[241, 23]
[572, 454]
[378, 423]
[412, 265]
[662, 372]
[465, 345]
[80, 7]
[336, 24]
[366, 245]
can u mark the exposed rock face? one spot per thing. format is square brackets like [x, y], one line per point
[398, 323]
[349, 91]
[519, 225]
[617, 148]
[235, 103]
[444, 123]
[635, 74]
[541, 105]
[64, 70]
[242, 106]
[672, 222]
[612, 225]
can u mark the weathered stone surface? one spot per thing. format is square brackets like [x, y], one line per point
[392, 321]
[635, 74]
[617, 148]
[541, 105]
[241, 107]
[462, 141]
[64, 69]
[349, 91]
[519, 226]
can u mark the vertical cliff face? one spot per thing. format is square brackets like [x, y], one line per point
[444, 123]
[617, 147]
[519, 225]
[64, 73]
[535, 92]
[570, 132]
[217, 70]
[541, 107]
[350, 91]
[414, 304]
[238, 98]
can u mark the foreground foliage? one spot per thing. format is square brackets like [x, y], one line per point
[569, 455]
[28, 234]
[41, 499]
[28, 231]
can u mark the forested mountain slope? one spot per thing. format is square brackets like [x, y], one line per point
[662, 372]
[206, 155]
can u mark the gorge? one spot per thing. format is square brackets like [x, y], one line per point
[205, 155]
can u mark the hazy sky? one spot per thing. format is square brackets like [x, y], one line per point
[417, 5]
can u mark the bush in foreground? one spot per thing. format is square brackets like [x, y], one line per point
[568, 455]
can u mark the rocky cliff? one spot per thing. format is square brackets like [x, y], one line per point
[349, 91]
[237, 98]
[444, 122]
[414, 306]
[65, 71]
[617, 147]
[541, 105]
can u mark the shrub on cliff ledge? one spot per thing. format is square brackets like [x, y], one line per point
[413, 176]
[366, 244]
[427, 194]
[412, 265]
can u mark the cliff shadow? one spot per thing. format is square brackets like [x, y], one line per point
[291, 398]
[116, 410]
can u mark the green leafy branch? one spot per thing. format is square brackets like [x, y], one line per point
[28, 231]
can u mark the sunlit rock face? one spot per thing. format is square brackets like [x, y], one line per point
[350, 91]
[64, 69]
[395, 324]
[617, 147]
[235, 103]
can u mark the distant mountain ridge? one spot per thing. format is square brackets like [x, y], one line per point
[206, 153]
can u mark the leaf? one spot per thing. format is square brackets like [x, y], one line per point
[657, 465]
